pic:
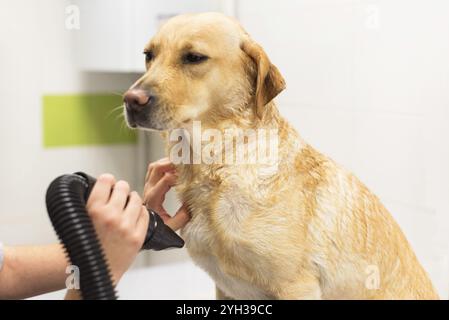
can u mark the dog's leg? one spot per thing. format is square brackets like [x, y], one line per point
[301, 290]
[219, 295]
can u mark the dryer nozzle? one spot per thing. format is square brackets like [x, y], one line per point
[160, 236]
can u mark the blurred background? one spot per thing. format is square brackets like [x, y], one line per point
[367, 84]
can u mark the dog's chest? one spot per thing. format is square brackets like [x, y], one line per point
[217, 217]
[231, 286]
[214, 234]
[217, 209]
[202, 245]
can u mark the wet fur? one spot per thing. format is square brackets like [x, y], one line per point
[309, 230]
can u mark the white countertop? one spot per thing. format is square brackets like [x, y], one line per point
[177, 280]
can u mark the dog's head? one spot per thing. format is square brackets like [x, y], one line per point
[201, 67]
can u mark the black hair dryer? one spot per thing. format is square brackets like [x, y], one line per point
[66, 205]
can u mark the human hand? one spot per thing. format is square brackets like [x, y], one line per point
[120, 221]
[161, 176]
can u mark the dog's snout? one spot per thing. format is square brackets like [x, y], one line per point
[135, 99]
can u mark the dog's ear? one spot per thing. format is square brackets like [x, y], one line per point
[269, 82]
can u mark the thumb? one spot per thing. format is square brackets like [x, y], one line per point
[179, 220]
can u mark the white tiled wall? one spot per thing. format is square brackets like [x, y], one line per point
[368, 84]
[35, 59]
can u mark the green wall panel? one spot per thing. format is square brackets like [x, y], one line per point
[84, 119]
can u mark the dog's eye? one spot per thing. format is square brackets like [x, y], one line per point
[194, 58]
[148, 56]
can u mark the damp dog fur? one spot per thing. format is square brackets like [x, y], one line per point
[308, 230]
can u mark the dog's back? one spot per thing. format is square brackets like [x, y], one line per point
[358, 248]
[310, 230]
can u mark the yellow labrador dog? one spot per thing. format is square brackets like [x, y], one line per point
[306, 229]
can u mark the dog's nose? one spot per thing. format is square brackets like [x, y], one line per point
[135, 99]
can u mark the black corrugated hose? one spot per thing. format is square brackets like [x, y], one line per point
[66, 205]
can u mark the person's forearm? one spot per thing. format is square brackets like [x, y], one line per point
[30, 271]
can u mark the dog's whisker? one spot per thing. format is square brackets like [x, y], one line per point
[123, 126]
[114, 110]
[117, 93]
[120, 117]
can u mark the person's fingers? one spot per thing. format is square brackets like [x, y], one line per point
[142, 224]
[154, 197]
[164, 215]
[149, 170]
[119, 194]
[151, 166]
[101, 191]
[132, 210]
[179, 220]
[158, 169]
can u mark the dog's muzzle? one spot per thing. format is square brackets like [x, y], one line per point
[138, 104]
